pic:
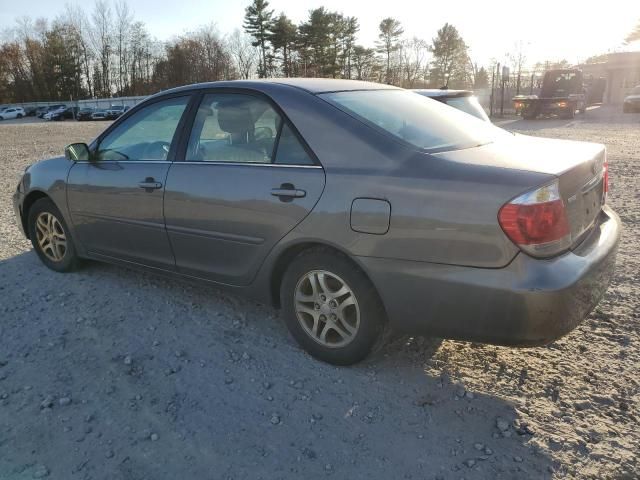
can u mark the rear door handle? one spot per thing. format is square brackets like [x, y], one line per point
[150, 184]
[288, 192]
[285, 192]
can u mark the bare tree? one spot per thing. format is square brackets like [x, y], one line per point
[77, 20]
[101, 39]
[413, 55]
[517, 58]
[123, 22]
[244, 54]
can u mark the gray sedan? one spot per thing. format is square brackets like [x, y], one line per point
[356, 208]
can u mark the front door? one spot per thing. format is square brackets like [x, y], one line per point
[246, 182]
[116, 198]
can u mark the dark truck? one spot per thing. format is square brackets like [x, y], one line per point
[562, 93]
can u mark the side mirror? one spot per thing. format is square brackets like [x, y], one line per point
[77, 152]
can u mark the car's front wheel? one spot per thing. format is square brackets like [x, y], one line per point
[50, 236]
[331, 308]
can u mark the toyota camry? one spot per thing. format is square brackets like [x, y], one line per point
[357, 208]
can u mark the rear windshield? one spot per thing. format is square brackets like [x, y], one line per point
[420, 121]
[469, 105]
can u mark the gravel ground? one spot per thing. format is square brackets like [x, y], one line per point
[111, 374]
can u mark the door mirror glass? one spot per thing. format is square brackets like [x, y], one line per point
[77, 152]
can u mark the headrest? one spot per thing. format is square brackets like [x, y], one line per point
[235, 117]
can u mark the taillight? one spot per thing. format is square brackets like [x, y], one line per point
[537, 221]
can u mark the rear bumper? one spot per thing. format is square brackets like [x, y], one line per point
[529, 302]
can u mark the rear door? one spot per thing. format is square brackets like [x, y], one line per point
[116, 199]
[246, 181]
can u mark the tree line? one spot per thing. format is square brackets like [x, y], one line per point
[107, 52]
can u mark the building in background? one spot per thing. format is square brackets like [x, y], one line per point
[620, 73]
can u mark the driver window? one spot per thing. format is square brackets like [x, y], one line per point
[146, 135]
[233, 127]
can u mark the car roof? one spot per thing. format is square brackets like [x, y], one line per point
[311, 85]
[442, 92]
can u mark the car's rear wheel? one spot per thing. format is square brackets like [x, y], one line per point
[50, 236]
[331, 308]
[570, 112]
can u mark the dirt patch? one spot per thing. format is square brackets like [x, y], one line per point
[112, 374]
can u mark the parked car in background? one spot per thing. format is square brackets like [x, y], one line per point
[11, 112]
[52, 113]
[632, 101]
[99, 115]
[30, 111]
[64, 113]
[42, 111]
[355, 207]
[463, 100]
[114, 111]
[84, 114]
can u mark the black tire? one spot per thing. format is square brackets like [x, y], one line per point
[19, 115]
[369, 335]
[70, 259]
[569, 113]
[529, 113]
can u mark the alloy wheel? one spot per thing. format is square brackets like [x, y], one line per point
[327, 308]
[51, 237]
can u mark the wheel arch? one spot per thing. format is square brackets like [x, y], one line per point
[286, 256]
[31, 198]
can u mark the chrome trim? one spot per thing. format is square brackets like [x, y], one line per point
[124, 161]
[178, 162]
[242, 164]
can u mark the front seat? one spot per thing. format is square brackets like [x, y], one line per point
[236, 119]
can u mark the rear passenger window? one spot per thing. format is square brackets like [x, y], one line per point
[233, 128]
[290, 151]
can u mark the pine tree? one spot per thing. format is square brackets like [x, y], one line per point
[389, 36]
[258, 23]
[450, 58]
[482, 79]
[283, 38]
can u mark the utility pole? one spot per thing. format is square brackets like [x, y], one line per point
[493, 86]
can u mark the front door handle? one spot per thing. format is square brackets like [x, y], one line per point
[287, 192]
[150, 184]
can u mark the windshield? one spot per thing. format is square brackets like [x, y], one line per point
[417, 120]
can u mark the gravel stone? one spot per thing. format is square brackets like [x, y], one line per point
[502, 424]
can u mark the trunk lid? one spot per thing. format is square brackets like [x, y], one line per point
[579, 167]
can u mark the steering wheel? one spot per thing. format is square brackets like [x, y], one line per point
[156, 151]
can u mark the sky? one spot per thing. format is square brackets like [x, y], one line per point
[548, 29]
